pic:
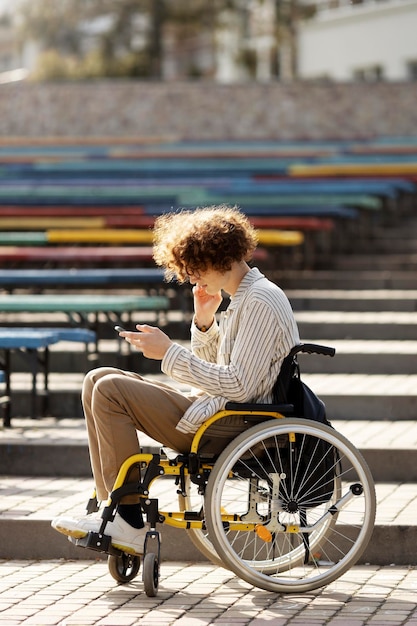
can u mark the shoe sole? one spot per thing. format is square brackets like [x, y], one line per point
[75, 534]
[80, 534]
[127, 549]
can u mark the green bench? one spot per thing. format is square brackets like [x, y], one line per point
[87, 311]
[83, 312]
[117, 309]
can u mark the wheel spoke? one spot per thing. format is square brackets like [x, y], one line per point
[290, 482]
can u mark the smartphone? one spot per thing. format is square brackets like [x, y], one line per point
[120, 329]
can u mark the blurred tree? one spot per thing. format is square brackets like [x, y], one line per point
[55, 24]
[287, 15]
[102, 37]
[154, 38]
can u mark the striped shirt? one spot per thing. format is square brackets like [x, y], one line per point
[238, 358]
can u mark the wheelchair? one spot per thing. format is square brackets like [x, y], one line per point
[288, 505]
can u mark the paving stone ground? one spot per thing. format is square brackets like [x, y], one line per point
[83, 593]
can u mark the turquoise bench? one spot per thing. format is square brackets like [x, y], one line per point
[117, 309]
[88, 310]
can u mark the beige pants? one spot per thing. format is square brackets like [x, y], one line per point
[116, 405]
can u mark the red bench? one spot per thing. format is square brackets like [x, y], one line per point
[69, 211]
[79, 255]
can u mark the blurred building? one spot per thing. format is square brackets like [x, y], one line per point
[373, 40]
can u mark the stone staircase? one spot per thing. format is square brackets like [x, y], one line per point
[365, 306]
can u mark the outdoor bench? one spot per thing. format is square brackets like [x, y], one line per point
[63, 210]
[79, 308]
[124, 236]
[363, 201]
[91, 255]
[393, 168]
[320, 186]
[33, 344]
[120, 218]
[145, 236]
[61, 255]
[11, 279]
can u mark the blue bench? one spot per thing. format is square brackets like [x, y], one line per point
[101, 277]
[162, 188]
[302, 210]
[393, 189]
[33, 344]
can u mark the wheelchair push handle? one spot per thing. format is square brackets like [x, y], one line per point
[313, 348]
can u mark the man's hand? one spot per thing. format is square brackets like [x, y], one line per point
[205, 306]
[150, 340]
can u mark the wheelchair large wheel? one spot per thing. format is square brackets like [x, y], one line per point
[290, 505]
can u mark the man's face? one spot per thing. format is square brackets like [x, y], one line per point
[210, 280]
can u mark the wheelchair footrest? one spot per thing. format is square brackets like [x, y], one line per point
[97, 542]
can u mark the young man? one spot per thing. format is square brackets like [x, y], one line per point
[236, 358]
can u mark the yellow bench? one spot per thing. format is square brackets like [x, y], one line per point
[354, 169]
[145, 236]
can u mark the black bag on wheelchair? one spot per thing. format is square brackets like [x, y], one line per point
[314, 459]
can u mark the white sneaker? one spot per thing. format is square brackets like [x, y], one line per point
[123, 535]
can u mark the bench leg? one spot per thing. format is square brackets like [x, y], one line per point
[45, 399]
[37, 359]
[33, 357]
[6, 400]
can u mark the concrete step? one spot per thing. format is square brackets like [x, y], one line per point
[365, 300]
[366, 397]
[360, 356]
[58, 448]
[347, 396]
[391, 325]
[384, 278]
[368, 261]
[403, 228]
[397, 240]
[29, 505]
[48, 448]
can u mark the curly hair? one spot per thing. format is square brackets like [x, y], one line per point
[193, 241]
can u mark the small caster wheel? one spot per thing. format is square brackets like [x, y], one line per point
[124, 567]
[150, 574]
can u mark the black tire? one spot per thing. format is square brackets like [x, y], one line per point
[150, 574]
[123, 568]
